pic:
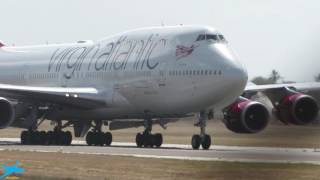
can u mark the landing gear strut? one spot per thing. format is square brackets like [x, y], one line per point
[56, 137]
[98, 138]
[146, 139]
[202, 139]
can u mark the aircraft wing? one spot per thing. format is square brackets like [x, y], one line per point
[312, 89]
[76, 97]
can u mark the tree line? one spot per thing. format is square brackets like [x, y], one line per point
[274, 78]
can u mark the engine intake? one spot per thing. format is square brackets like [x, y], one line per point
[6, 113]
[298, 109]
[246, 116]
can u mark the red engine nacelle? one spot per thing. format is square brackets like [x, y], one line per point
[298, 109]
[246, 116]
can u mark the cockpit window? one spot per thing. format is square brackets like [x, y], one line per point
[222, 38]
[201, 37]
[214, 37]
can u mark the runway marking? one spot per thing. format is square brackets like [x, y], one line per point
[179, 152]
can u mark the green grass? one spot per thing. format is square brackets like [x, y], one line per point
[76, 166]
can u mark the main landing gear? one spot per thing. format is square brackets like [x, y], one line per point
[202, 139]
[146, 139]
[98, 138]
[56, 137]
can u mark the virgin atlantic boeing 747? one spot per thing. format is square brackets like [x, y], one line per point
[139, 78]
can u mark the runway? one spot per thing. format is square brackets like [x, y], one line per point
[182, 152]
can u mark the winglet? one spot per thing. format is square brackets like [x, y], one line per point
[1, 44]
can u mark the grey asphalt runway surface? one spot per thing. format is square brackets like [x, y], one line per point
[182, 152]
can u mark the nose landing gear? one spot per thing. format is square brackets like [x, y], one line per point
[202, 139]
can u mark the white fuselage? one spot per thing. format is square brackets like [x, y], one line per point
[159, 72]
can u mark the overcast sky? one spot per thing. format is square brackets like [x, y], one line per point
[266, 34]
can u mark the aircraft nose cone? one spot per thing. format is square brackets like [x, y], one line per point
[235, 74]
[237, 77]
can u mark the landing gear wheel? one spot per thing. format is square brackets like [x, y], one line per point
[46, 138]
[42, 138]
[139, 140]
[59, 137]
[206, 142]
[158, 139]
[68, 138]
[203, 139]
[36, 138]
[196, 141]
[89, 138]
[51, 138]
[107, 138]
[100, 139]
[148, 140]
[25, 137]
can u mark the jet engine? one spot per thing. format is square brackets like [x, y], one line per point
[297, 109]
[246, 116]
[7, 114]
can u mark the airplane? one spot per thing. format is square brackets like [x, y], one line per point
[141, 77]
[14, 169]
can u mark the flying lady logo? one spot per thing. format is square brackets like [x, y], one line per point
[11, 172]
[184, 51]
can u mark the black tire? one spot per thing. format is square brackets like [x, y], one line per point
[68, 137]
[42, 138]
[139, 140]
[50, 138]
[158, 140]
[95, 138]
[25, 138]
[60, 138]
[149, 140]
[89, 138]
[36, 138]
[206, 142]
[99, 139]
[196, 141]
[107, 138]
